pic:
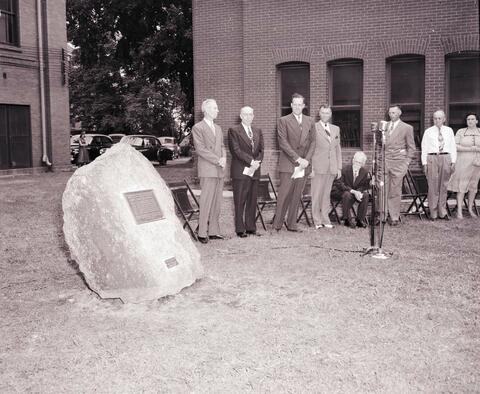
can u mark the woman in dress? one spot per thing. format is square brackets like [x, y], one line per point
[83, 157]
[467, 169]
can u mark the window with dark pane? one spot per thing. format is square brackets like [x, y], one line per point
[407, 89]
[293, 78]
[463, 89]
[8, 22]
[346, 92]
[15, 137]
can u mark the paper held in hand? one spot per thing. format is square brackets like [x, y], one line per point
[298, 173]
[249, 171]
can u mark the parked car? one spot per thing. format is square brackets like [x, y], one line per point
[150, 147]
[97, 145]
[170, 143]
[116, 137]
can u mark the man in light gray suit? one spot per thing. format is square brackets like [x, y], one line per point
[326, 166]
[208, 141]
[399, 151]
[296, 139]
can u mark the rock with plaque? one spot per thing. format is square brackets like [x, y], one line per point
[122, 230]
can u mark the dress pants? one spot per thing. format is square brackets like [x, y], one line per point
[438, 175]
[289, 195]
[210, 203]
[348, 199]
[396, 170]
[245, 192]
[321, 188]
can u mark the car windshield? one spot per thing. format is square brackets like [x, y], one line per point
[134, 141]
[74, 139]
[169, 140]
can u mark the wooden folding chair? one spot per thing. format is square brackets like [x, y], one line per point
[267, 197]
[415, 190]
[186, 203]
[306, 203]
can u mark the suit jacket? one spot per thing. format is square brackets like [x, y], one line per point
[346, 183]
[209, 149]
[295, 141]
[400, 146]
[327, 157]
[241, 149]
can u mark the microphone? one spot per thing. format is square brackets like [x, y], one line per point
[383, 126]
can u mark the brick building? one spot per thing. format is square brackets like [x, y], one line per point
[34, 109]
[358, 56]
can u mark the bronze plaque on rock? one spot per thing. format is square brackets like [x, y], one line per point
[144, 206]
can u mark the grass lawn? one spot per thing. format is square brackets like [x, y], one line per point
[282, 312]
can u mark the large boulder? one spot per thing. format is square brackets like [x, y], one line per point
[122, 230]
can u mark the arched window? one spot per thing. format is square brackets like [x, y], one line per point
[293, 77]
[346, 96]
[8, 22]
[406, 75]
[463, 87]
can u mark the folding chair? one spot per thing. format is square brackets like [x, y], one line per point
[335, 202]
[186, 203]
[415, 189]
[265, 198]
[306, 203]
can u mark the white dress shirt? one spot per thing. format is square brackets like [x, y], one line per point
[430, 143]
[390, 128]
[299, 118]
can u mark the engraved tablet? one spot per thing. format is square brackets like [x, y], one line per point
[171, 262]
[144, 206]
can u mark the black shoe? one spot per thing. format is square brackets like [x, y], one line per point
[361, 224]
[350, 224]
[203, 240]
[242, 235]
[446, 217]
[395, 223]
[216, 237]
[254, 233]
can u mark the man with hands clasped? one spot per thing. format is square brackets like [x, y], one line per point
[439, 154]
[208, 141]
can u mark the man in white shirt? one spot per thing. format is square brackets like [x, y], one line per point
[439, 154]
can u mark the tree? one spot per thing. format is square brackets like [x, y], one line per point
[133, 69]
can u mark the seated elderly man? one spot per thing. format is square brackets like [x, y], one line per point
[353, 186]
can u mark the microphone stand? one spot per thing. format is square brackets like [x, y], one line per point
[375, 249]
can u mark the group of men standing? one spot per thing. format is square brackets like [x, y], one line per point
[308, 149]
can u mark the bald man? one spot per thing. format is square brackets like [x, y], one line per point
[246, 146]
[439, 154]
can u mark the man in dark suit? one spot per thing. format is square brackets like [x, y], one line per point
[399, 151]
[246, 146]
[296, 139]
[353, 186]
[208, 141]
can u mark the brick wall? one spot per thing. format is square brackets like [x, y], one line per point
[238, 44]
[21, 83]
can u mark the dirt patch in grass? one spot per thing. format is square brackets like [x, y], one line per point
[278, 313]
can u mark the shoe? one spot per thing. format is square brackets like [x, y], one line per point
[294, 230]
[318, 226]
[446, 217]
[472, 214]
[361, 224]
[350, 224]
[203, 240]
[216, 237]
[395, 223]
[432, 219]
[242, 235]
[253, 233]
[328, 226]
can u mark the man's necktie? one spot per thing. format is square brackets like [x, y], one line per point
[355, 174]
[326, 130]
[250, 135]
[390, 128]
[441, 141]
